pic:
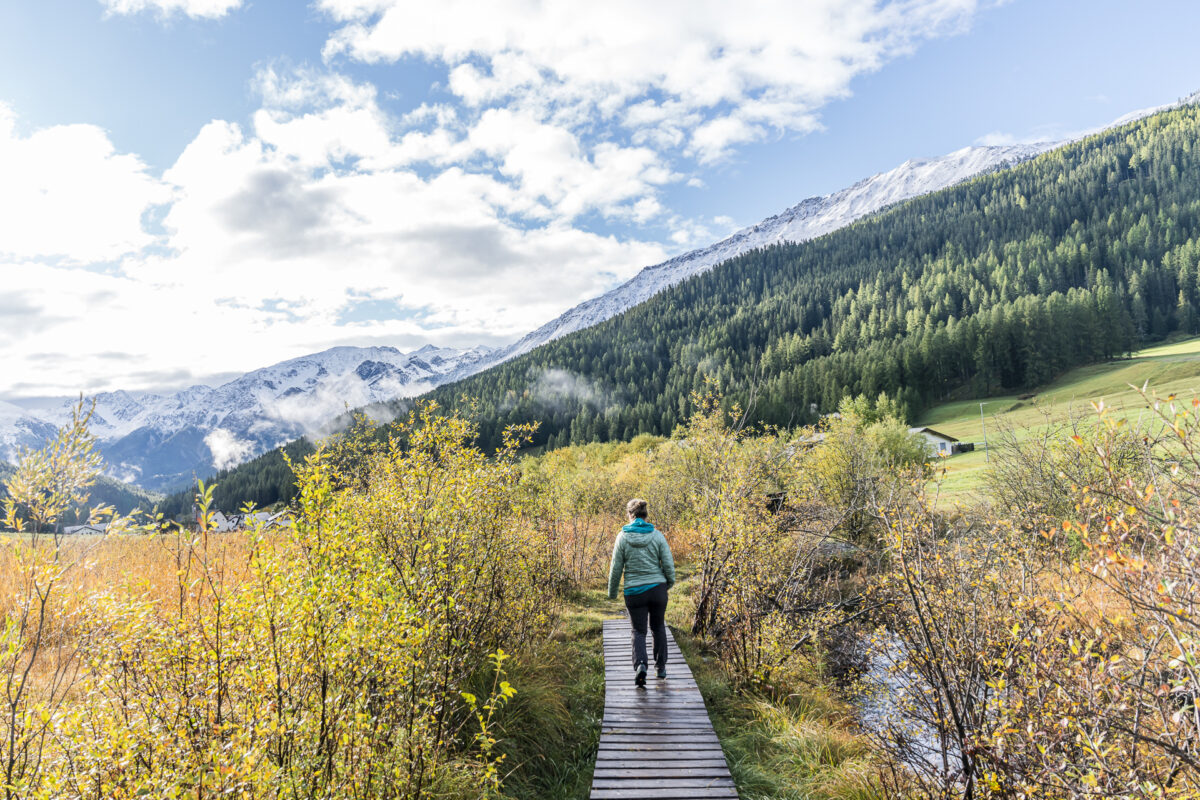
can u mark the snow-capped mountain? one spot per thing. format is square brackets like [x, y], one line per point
[19, 430]
[807, 220]
[161, 441]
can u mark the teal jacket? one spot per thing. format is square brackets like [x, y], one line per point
[643, 555]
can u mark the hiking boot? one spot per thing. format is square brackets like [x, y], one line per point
[661, 674]
[639, 675]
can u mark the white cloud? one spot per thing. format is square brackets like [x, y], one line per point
[554, 386]
[66, 192]
[275, 231]
[1042, 133]
[689, 233]
[259, 217]
[701, 76]
[997, 138]
[197, 9]
[548, 163]
[227, 450]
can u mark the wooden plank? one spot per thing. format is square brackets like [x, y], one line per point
[656, 741]
[657, 716]
[634, 747]
[654, 725]
[674, 742]
[633, 725]
[625, 718]
[664, 735]
[676, 783]
[631, 743]
[618, 761]
[662, 772]
[617, 725]
[653, 699]
[626, 727]
[683, 793]
[652, 709]
[628, 750]
[665, 783]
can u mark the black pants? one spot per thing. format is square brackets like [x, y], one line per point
[652, 603]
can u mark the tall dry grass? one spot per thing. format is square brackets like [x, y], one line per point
[330, 659]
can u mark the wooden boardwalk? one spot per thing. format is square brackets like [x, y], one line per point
[656, 743]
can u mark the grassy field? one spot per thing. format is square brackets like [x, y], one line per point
[1165, 369]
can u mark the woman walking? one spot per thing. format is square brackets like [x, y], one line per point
[643, 556]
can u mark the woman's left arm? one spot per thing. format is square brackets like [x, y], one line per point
[618, 567]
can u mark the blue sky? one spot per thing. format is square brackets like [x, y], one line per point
[254, 180]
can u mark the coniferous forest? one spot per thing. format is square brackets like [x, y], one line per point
[1002, 282]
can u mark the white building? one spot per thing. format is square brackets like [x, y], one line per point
[938, 442]
[86, 530]
[223, 523]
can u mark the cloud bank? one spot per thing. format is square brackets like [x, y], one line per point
[227, 450]
[67, 193]
[693, 77]
[475, 215]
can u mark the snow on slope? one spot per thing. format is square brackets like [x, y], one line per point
[1133, 116]
[807, 220]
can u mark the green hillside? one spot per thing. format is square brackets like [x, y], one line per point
[1165, 369]
[1002, 283]
[992, 287]
[106, 491]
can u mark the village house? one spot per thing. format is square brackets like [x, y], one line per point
[942, 444]
[86, 530]
[223, 522]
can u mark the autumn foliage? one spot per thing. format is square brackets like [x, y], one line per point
[330, 659]
[1042, 649]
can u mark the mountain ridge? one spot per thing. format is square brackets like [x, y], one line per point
[825, 213]
[1001, 282]
[808, 219]
[159, 441]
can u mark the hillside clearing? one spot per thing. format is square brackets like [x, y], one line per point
[1165, 369]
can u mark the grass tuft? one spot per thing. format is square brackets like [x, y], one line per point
[552, 726]
[799, 747]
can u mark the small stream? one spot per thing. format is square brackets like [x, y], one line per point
[887, 689]
[887, 692]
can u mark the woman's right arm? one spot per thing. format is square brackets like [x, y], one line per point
[614, 571]
[666, 561]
